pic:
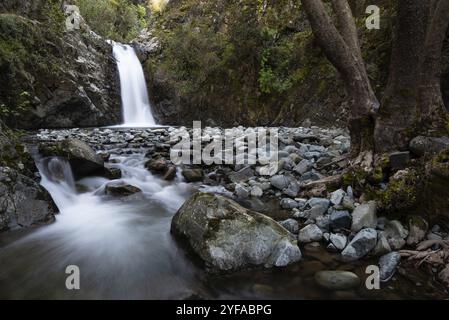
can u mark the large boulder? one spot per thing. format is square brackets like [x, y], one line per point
[429, 145]
[82, 158]
[229, 237]
[23, 201]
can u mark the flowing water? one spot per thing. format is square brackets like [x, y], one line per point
[135, 103]
[124, 249]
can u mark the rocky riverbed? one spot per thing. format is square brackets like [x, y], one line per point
[300, 218]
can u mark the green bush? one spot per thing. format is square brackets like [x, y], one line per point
[119, 20]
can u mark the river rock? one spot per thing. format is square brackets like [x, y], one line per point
[364, 216]
[395, 234]
[228, 237]
[82, 158]
[418, 227]
[310, 233]
[361, 245]
[170, 174]
[193, 175]
[338, 240]
[121, 189]
[157, 165]
[303, 166]
[242, 191]
[288, 203]
[388, 264]
[23, 201]
[291, 225]
[337, 197]
[340, 220]
[280, 182]
[256, 191]
[337, 280]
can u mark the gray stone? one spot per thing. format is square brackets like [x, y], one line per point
[280, 182]
[292, 190]
[337, 196]
[382, 246]
[428, 145]
[256, 191]
[242, 175]
[302, 167]
[337, 280]
[315, 211]
[291, 225]
[399, 160]
[192, 175]
[310, 233]
[338, 240]
[340, 220]
[395, 234]
[228, 237]
[388, 264]
[241, 191]
[361, 245]
[323, 222]
[288, 203]
[364, 216]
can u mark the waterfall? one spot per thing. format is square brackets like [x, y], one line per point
[135, 102]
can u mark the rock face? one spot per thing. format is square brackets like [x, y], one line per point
[229, 237]
[83, 159]
[23, 201]
[70, 81]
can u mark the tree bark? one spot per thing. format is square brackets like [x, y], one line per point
[343, 51]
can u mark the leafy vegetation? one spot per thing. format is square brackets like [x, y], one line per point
[119, 20]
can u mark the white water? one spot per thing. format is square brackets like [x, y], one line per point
[135, 103]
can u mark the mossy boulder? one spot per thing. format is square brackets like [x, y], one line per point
[228, 237]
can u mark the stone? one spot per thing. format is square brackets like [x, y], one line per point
[157, 165]
[422, 145]
[280, 182]
[348, 203]
[241, 191]
[121, 189]
[291, 225]
[337, 196]
[24, 203]
[382, 246]
[418, 228]
[395, 234]
[443, 276]
[303, 166]
[228, 237]
[315, 212]
[242, 175]
[288, 203]
[325, 203]
[338, 240]
[310, 233]
[364, 216]
[193, 175]
[256, 191]
[360, 245]
[340, 220]
[83, 160]
[337, 280]
[399, 160]
[170, 174]
[292, 190]
[388, 264]
[323, 222]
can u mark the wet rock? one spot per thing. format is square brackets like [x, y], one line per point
[288, 203]
[115, 189]
[310, 233]
[340, 220]
[280, 182]
[82, 158]
[229, 237]
[193, 175]
[170, 174]
[364, 216]
[158, 165]
[388, 264]
[24, 202]
[113, 174]
[291, 225]
[337, 280]
[361, 245]
[338, 240]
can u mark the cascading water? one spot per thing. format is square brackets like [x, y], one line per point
[135, 103]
